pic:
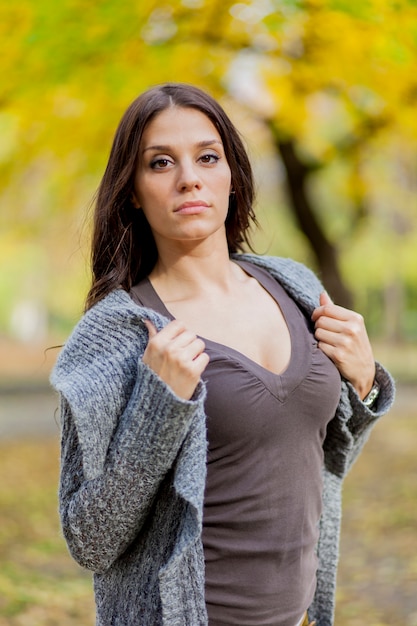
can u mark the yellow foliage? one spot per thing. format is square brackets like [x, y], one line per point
[336, 77]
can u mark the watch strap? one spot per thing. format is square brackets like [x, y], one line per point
[370, 399]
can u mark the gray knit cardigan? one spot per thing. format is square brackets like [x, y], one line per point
[133, 466]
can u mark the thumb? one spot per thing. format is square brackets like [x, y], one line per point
[325, 298]
[151, 328]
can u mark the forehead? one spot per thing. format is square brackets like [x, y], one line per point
[179, 123]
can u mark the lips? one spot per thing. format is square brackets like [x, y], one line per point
[192, 207]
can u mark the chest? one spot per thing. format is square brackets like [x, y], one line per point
[251, 322]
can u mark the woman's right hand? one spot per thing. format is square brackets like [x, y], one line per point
[177, 356]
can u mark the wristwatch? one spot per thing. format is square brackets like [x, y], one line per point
[370, 399]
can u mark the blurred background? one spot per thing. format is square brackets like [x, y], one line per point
[324, 93]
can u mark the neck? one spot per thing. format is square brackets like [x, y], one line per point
[182, 274]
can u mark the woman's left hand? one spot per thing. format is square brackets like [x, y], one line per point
[342, 336]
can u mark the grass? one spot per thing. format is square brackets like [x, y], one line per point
[378, 571]
[39, 583]
[41, 586]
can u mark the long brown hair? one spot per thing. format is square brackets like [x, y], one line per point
[123, 248]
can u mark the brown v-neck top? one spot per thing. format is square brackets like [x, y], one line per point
[263, 490]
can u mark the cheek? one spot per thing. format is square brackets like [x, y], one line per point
[227, 188]
[149, 195]
[224, 182]
[152, 213]
[228, 180]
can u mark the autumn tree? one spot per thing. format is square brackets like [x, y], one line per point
[332, 82]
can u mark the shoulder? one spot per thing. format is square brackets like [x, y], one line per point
[108, 336]
[299, 281]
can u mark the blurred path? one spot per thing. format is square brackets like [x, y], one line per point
[406, 399]
[27, 402]
[27, 412]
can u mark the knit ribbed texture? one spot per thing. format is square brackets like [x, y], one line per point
[133, 466]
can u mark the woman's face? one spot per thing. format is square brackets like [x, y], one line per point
[183, 179]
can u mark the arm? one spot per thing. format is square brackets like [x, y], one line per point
[343, 338]
[342, 335]
[100, 517]
[363, 418]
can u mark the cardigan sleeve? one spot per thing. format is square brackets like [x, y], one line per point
[101, 516]
[363, 418]
[350, 428]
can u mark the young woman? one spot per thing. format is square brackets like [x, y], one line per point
[212, 401]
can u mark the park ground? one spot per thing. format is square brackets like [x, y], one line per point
[41, 586]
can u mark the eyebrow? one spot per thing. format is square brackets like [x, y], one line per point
[200, 144]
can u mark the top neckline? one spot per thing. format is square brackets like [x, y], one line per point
[300, 359]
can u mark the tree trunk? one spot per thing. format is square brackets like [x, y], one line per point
[324, 250]
[394, 298]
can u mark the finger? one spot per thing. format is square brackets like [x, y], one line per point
[201, 361]
[336, 353]
[324, 301]
[186, 353]
[197, 348]
[151, 328]
[325, 298]
[176, 335]
[170, 331]
[331, 310]
[184, 384]
[184, 339]
[331, 324]
[330, 338]
[341, 333]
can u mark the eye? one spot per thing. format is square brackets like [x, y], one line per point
[160, 164]
[209, 159]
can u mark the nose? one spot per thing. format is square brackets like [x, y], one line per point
[188, 177]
